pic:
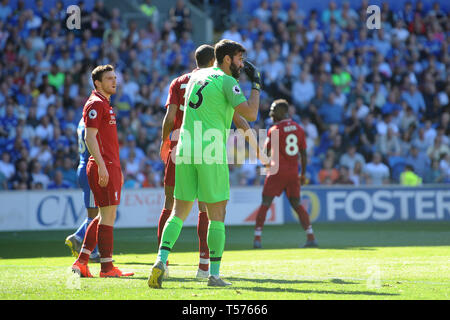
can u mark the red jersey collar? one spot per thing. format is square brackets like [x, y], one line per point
[287, 119]
[98, 94]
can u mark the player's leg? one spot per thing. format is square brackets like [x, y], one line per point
[170, 235]
[89, 244]
[185, 194]
[260, 219]
[95, 255]
[273, 187]
[166, 211]
[303, 216]
[169, 185]
[105, 238]
[216, 241]
[293, 194]
[214, 190]
[75, 240]
[109, 200]
[202, 232]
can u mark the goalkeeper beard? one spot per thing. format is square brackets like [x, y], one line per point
[235, 70]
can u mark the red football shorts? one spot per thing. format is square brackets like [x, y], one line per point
[109, 195]
[274, 185]
[169, 170]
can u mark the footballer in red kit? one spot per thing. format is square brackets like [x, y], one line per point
[103, 172]
[283, 172]
[204, 56]
[99, 114]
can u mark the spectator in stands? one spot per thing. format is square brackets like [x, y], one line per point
[344, 176]
[328, 172]
[414, 99]
[58, 182]
[341, 78]
[38, 176]
[180, 17]
[69, 173]
[232, 33]
[263, 12]
[419, 160]
[437, 149]
[150, 10]
[409, 178]
[389, 144]
[444, 165]
[44, 100]
[303, 90]
[330, 112]
[377, 172]
[434, 174]
[350, 158]
[352, 128]
[21, 176]
[357, 174]
[6, 167]
[273, 73]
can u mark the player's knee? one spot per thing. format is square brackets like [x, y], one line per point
[168, 203]
[267, 201]
[92, 213]
[295, 202]
[201, 206]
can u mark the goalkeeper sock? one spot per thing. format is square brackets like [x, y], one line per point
[216, 244]
[169, 236]
[260, 219]
[304, 220]
[202, 232]
[165, 214]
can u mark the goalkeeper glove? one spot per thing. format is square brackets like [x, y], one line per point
[253, 74]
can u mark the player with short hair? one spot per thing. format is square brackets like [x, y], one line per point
[292, 143]
[75, 240]
[103, 172]
[204, 57]
[212, 97]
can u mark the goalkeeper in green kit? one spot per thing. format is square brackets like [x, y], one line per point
[213, 95]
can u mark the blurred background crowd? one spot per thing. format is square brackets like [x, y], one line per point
[374, 103]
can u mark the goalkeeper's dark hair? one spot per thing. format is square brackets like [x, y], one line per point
[282, 103]
[227, 48]
[203, 55]
[97, 73]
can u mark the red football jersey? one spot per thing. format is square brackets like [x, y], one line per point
[98, 113]
[177, 91]
[291, 139]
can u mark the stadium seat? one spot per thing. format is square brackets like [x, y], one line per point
[397, 165]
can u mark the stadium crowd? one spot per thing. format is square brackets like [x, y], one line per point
[374, 103]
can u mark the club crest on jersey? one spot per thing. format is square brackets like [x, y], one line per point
[236, 90]
[92, 114]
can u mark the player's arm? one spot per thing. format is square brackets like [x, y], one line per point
[303, 162]
[90, 137]
[303, 156]
[249, 109]
[169, 121]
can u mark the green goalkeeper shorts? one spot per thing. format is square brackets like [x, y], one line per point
[208, 183]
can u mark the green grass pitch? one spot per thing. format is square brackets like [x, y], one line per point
[401, 260]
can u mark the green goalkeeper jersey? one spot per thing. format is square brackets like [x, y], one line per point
[211, 96]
